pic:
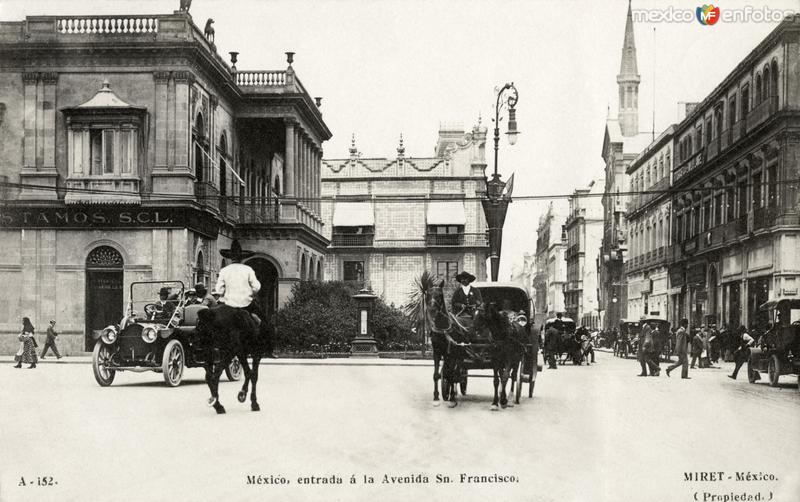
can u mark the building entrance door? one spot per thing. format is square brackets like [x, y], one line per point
[267, 275]
[104, 296]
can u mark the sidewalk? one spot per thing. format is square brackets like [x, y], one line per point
[340, 361]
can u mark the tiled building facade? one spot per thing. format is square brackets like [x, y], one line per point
[388, 220]
[138, 159]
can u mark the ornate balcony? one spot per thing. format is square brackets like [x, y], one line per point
[712, 149]
[352, 240]
[101, 189]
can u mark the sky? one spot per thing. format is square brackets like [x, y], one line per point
[386, 67]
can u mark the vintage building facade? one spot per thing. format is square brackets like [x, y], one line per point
[390, 219]
[584, 228]
[551, 271]
[648, 216]
[130, 151]
[736, 229]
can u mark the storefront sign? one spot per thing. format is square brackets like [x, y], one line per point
[112, 217]
[676, 276]
[696, 274]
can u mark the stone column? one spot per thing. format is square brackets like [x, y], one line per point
[289, 157]
[183, 131]
[161, 120]
[49, 81]
[29, 82]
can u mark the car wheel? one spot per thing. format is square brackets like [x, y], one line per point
[234, 370]
[172, 363]
[101, 357]
[774, 370]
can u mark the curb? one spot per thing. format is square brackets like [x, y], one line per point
[268, 362]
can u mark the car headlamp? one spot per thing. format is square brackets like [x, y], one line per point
[149, 334]
[109, 335]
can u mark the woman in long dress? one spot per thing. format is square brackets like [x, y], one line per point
[27, 349]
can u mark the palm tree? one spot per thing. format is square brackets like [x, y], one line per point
[415, 307]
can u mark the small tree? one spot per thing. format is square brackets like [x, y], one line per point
[415, 307]
[324, 313]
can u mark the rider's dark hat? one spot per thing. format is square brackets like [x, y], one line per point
[236, 252]
[165, 291]
[464, 275]
[200, 287]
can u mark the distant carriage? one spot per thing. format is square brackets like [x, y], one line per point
[628, 338]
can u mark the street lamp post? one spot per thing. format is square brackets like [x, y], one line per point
[495, 203]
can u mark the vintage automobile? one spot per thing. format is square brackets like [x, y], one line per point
[777, 352]
[154, 335]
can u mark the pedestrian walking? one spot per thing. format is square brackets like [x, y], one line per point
[742, 354]
[27, 349]
[697, 347]
[705, 361]
[50, 342]
[644, 351]
[680, 350]
[551, 340]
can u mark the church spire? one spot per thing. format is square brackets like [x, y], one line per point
[628, 81]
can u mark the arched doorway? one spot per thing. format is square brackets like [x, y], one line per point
[267, 275]
[104, 295]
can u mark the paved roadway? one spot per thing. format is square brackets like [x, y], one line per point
[590, 433]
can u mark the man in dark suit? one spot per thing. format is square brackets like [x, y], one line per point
[466, 300]
[552, 337]
[680, 350]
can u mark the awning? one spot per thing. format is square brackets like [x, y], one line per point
[353, 214]
[447, 213]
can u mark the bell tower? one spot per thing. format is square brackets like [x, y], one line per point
[628, 81]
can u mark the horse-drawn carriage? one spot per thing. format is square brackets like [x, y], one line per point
[628, 336]
[661, 336]
[778, 351]
[573, 344]
[503, 340]
[154, 335]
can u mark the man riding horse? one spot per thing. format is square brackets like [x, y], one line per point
[236, 328]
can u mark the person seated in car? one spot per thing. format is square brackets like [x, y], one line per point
[203, 296]
[166, 305]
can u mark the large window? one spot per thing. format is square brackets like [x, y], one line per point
[103, 152]
[447, 270]
[707, 214]
[718, 210]
[354, 271]
[445, 235]
[742, 199]
[756, 191]
[730, 209]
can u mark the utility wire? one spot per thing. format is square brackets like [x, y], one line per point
[390, 198]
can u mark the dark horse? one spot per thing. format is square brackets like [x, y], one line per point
[228, 332]
[451, 345]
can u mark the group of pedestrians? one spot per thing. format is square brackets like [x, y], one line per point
[27, 344]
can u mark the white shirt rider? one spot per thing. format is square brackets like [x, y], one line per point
[237, 284]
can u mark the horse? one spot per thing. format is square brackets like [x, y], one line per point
[226, 332]
[441, 327]
[507, 351]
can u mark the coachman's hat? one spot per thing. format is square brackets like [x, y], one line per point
[464, 275]
[235, 252]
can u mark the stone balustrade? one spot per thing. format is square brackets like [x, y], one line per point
[100, 25]
[261, 78]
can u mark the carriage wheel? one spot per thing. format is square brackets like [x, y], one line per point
[172, 363]
[234, 370]
[445, 388]
[774, 370]
[463, 382]
[518, 389]
[101, 356]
